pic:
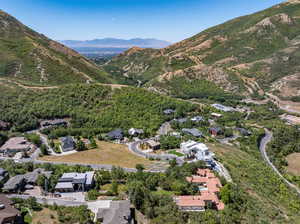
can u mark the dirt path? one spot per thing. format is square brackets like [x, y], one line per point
[113, 86]
[28, 87]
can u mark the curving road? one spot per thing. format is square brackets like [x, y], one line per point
[263, 145]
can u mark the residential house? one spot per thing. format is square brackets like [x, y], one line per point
[117, 134]
[223, 108]
[32, 177]
[175, 134]
[67, 144]
[14, 145]
[209, 187]
[4, 126]
[215, 131]
[169, 111]
[154, 145]
[244, 132]
[8, 214]
[192, 131]
[119, 212]
[26, 181]
[135, 131]
[15, 184]
[181, 120]
[196, 150]
[197, 119]
[52, 123]
[190, 203]
[70, 182]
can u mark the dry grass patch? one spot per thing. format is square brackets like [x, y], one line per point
[106, 153]
[46, 216]
[294, 163]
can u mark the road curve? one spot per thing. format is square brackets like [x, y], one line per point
[263, 145]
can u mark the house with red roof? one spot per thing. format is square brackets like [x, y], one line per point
[209, 188]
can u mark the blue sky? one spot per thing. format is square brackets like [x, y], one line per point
[171, 20]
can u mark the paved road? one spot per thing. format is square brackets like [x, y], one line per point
[134, 147]
[263, 145]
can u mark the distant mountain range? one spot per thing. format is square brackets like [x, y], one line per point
[110, 46]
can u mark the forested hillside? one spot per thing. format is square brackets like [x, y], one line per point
[93, 109]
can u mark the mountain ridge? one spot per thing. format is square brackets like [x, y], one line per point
[244, 55]
[33, 58]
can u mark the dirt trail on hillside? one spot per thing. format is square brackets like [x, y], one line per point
[26, 86]
[113, 86]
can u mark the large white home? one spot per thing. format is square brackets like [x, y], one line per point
[197, 150]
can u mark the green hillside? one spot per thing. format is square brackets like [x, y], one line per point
[34, 59]
[248, 55]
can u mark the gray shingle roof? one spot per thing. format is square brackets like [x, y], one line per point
[67, 143]
[14, 182]
[181, 120]
[33, 176]
[2, 171]
[193, 131]
[197, 119]
[116, 134]
[118, 213]
[169, 111]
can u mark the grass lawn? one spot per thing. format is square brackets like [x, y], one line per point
[174, 152]
[46, 216]
[161, 192]
[294, 163]
[105, 153]
[107, 187]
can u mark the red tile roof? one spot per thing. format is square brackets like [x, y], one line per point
[213, 184]
[187, 201]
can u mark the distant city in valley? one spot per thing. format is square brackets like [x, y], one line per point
[112, 46]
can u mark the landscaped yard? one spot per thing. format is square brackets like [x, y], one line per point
[294, 163]
[106, 153]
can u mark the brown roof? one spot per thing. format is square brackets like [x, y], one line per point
[9, 211]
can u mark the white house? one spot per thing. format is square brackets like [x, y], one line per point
[197, 150]
[135, 131]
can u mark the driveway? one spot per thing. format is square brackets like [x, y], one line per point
[164, 129]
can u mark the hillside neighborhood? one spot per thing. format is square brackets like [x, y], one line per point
[73, 187]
